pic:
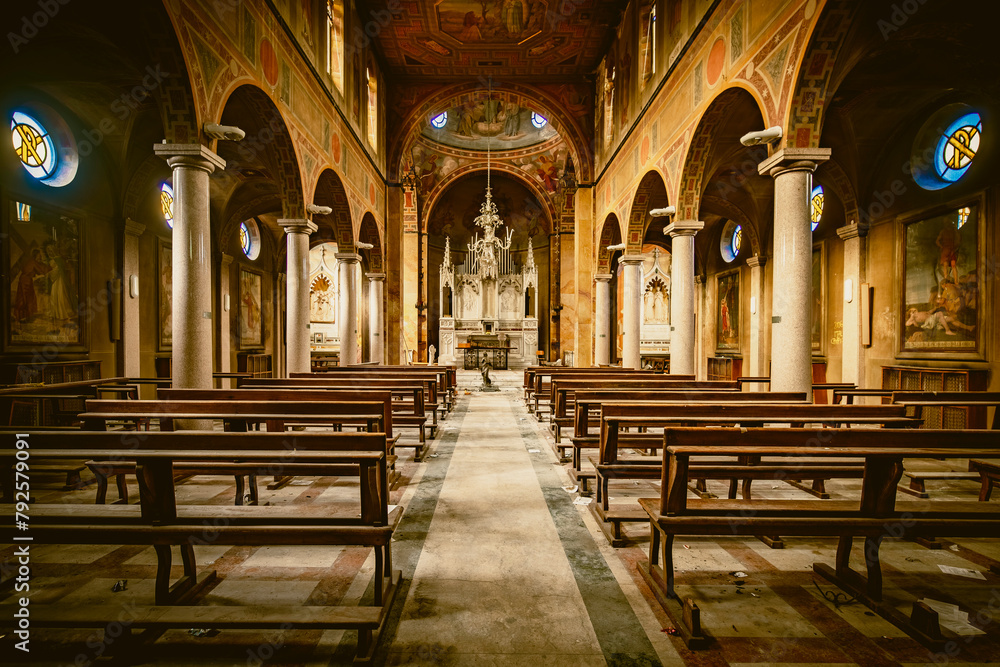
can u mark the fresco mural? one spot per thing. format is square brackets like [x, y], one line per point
[727, 317]
[507, 124]
[502, 21]
[165, 293]
[45, 274]
[251, 323]
[940, 289]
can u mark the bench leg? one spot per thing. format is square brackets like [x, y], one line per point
[122, 483]
[189, 583]
[254, 493]
[102, 485]
[987, 489]
[240, 489]
[874, 567]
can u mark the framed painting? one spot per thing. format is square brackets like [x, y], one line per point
[164, 294]
[251, 325]
[44, 258]
[727, 312]
[818, 314]
[940, 300]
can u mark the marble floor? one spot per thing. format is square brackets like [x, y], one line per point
[503, 563]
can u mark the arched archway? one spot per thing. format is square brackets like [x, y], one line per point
[651, 194]
[336, 225]
[607, 314]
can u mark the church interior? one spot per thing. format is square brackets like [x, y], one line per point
[564, 332]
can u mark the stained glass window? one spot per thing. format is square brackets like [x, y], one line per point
[816, 201]
[958, 146]
[439, 120]
[963, 216]
[736, 240]
[33, 146]
[245, 239]
[167, 204]
[335, 52]
[372, 108]
[538, 120]
[731, 242]
[24, 211]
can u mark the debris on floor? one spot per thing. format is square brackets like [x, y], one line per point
[582, 500]
[952, 618]
[571, 489]
[962, 572]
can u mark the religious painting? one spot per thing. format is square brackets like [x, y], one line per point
[511, 21]
[727, 312]
[164, 294]
[322, 299]
[45, 272]
[940, 299]
[818, 302]
[656, 302]
[251, 320]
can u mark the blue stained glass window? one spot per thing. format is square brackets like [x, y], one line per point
[538, 120]
[24, 212]
[816, 202]
[440, 120]
[958, 146]
[167, 204]
[245, 239]
[736, 240]
[33, 146]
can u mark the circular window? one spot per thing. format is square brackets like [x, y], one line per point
[732, 241]
[946, 146]
[439, 120]
[249, 239]
[816, 201]
[33, 146]
[957, 147]
[167, 204]
[538, 120]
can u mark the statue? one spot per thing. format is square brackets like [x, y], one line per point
[485, 367]
[431, 355]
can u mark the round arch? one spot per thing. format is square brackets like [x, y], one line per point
[369, 232]
[651, 193]
[550, 107]
[337, 225]
[611, 234]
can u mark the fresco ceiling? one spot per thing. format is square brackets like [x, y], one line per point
[527, 39]
[500, 125]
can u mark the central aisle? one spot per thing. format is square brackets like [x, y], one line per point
[498, 566]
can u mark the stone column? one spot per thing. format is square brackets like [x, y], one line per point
[410, 276]
[584, 264]
[756, 363]
[854, 235]
[297, 233]
[632, 311]
[791, 294]
[682, 295]
[347, 306]
[130, 306]
[602, 339]
[225, 306]
[375, 317]
[192, 263]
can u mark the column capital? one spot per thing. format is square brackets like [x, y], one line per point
[683, 228]
[852, 231]
[756, 261]
[226, 260]
[375, 277]
[793, 159]
[602, 277]
[347, 257]
[133, 228]
[297, 225]
[189, 155]
[631, 259]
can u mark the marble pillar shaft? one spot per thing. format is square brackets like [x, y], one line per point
[297, 289]
[791, 306]
[853, 360]
[682, 302]
[584, 264]
[348, 307]
[632, 311]
[376, 319]
[756, 363]
[602, 317]
[191, 364]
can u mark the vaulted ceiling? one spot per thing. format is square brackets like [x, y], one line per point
[528, 40]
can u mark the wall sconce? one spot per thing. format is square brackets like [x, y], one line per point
[848, 290]
[225, 302]
[133, 286]
[753, 305]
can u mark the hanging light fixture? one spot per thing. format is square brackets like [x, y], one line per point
[486, 250]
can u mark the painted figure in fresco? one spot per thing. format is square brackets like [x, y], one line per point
[512, 121]
[930, 320]
[947, 241]
[470, 28]
[32, 265]
[512, 16]
[60, 304]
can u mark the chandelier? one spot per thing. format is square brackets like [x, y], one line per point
[486, 250]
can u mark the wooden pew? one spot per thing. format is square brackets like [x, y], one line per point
[529, 374]
[448, 374]
[408, 409]
[563, 389]
[543, 391]
[773, 454]
[617, 416]
[440, 393]
[159, 521]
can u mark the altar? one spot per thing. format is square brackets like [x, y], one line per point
[489, 298]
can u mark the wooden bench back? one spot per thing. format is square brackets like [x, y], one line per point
[617, 415]
[440, 377]
[287, 394]
[585, 400]
[562, 388]
[420, 390]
